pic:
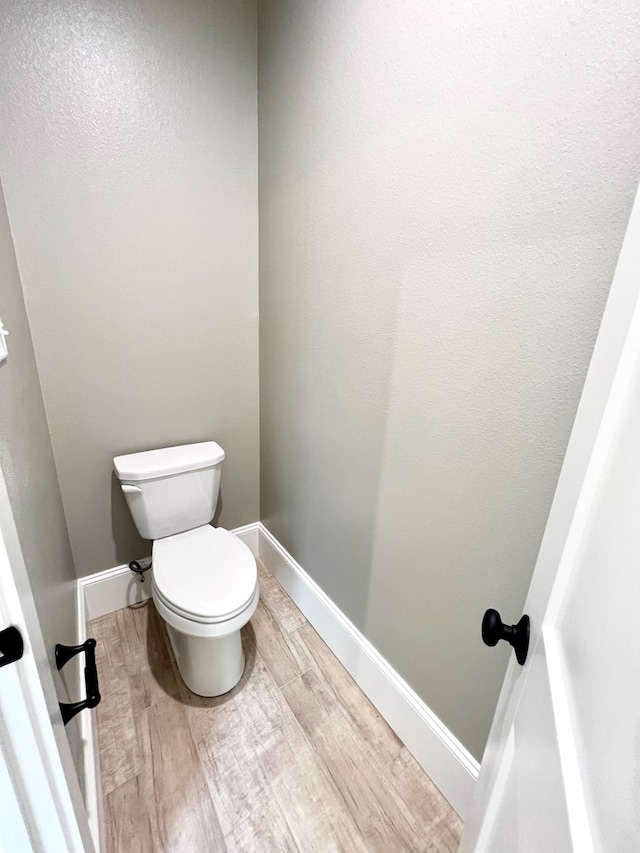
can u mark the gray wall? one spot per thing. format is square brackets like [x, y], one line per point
[30, 474]
[443, 193]
[129, 156]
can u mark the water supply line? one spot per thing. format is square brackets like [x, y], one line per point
[139, 569]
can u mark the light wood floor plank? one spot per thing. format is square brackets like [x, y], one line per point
[182, 815]
[120, 757]
[264, 831]
[374, 730]
[427, 810]
[261, 704]
[441, 838]
[115, 707]
[146, 655]
[337, 742]
[215, 717]
[211, 720]
[237, 783]
[274, 647]
[126, 819]
[310, 801]
[108, 649]
[286, 614]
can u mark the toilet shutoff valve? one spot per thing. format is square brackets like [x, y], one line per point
[139, 569]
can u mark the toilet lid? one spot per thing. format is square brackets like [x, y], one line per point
[206, 574]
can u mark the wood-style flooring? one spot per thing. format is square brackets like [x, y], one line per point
[295, 758]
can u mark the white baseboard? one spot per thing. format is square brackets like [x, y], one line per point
[112, 590]
[451, 767]
[250, 535]
[90, 753]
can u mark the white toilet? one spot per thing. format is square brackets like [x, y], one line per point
[205, 582]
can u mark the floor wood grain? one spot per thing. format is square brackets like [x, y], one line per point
[357, 775]
[294, 758]
[127, 818]
[183, 816]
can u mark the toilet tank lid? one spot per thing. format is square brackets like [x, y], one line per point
[150, 464]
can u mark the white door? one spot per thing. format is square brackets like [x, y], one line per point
[561, 771]
[36, 806]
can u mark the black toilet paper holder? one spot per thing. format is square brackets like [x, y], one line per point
[63, 655]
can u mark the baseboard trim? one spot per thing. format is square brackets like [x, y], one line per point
[88, 735]
[112, 590]
[451, 767]
[250, 535]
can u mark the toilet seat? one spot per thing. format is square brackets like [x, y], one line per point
[206, 575]
[205, 630]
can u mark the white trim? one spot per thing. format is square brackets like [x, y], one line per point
[570, 752]
[112, 590]
[250, 535]
[451, 767]
[88, 735]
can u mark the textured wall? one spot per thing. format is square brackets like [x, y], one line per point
[444, 189]
[129, 157]
[30, 474]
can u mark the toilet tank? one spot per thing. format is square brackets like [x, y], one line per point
[172, 489]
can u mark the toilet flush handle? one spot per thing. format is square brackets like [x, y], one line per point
[130, 490]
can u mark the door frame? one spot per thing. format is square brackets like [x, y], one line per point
[35, 750]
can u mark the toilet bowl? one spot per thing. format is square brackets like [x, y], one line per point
[205, 583]
[205, 588]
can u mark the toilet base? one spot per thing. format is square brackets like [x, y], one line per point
[209, 666]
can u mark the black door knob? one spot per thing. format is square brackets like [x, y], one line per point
[494, 630]
[11, 645]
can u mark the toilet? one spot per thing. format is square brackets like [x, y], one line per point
[205, 582]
